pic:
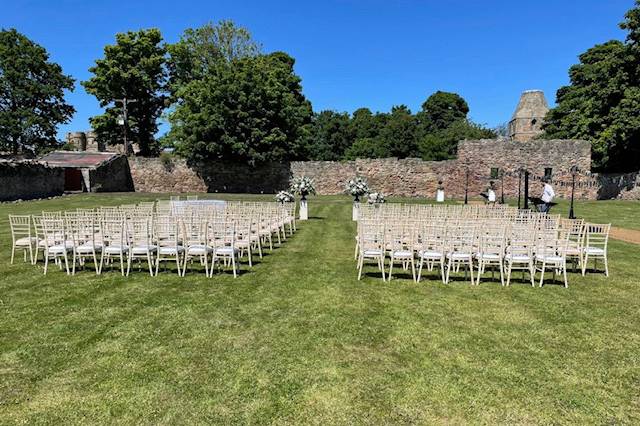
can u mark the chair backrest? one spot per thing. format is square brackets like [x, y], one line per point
[54, 232]
[597, 235]
[139, 231]
[113, 232]
[167, 231]
[20, 226]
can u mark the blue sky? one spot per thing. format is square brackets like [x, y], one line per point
[354, 53]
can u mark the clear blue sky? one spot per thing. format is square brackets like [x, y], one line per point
[354, 53]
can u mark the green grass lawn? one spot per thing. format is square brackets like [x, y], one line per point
[299, 340]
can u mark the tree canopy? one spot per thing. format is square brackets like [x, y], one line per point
[133, 68]
[602, 101]
[32, 89]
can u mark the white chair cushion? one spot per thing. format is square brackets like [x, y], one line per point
[428, 254]
[594, 251]
[143, 249]
[59, 249]
[26, 241]
[403, 253]
[116, 249]
[488, 256]
[372, 253]
[459, 255]
[549, 258]
[170, 250]
[199, 249]
[518, 258]
[225, 250]
[88, 248]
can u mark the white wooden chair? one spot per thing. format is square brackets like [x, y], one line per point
[460, 249]
[141, 247]
[114, 243]
[196, 243]
[222, 239]
[401, 248]
[371, 246]
[57, 245]
[491, 247]
[519, 252]
[21, 236]
[596, 246]
[167, 238]
[431, 248]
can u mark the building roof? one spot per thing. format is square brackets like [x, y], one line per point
[77, 159]
[532, 104]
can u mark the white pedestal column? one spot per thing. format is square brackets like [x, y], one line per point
[304, 214]
[355, 213]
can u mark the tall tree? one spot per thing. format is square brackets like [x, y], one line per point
[399, 134]
[443, 144]
[248, 110]
[32, 102]
[201, 50]
[330, 136]
[602, 101]
[133, 68]
[441, 110]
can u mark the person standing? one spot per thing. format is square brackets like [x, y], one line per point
[491, 193]
[548, 194]
[440, 192]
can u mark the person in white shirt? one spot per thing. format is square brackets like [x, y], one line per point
[440, 192]
[548, 194]
[491, 194]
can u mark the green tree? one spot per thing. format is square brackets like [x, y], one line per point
[330, 136]
[441, 110]
[201, 50]
[399, 134]
[602, 101]
[364, 124]
[32, 102]
[248, 110]
[367, 148]
[442, 144]
[133, 68]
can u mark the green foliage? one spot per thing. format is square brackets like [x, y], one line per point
[32, 102]
[366, 148]
[601, 103]
[442, 144]
[441, 110]
[399, 134]
[133, 68]
[330, 136]
[248, 110]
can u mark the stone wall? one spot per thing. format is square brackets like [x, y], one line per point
[112, 176]
[25, 180]
[402, 177]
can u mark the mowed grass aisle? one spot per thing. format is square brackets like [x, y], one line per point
[299, 340]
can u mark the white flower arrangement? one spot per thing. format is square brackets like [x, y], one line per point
[375, 198]
[302, 186]
[284, 197]
[357, 187]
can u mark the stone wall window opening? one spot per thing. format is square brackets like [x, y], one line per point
[548, 173]
[495, 173]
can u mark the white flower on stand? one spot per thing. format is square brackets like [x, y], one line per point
[376, 198]
[357, 187]
[285, 197]
[302, 186]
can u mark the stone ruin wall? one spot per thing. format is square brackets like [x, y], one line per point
[402, 177]
[25, 180]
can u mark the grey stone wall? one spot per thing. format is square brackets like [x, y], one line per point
[402, 177]
[112, 176]
[25, 180]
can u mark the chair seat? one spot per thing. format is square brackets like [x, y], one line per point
[88, 248]
[459, 255]
[430, 254]
[372, 253]
[25, 241]
[550, 258]
[170, 250]
[518, 258]
[199, 249]
[402, 254]
[57, 249]
[143, 249]
[225, 250]
[488, 256]
[594, 251]
[116, 249]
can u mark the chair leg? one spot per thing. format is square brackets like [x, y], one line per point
[382, 267]
[233, 263]
[509, 273]
[420, 269]
[46, 263]
[542, 273]
[606, 266]
[122, 263]
[390, 269]
[360, 262]
[13, 252]
[501, 266]
[149, 262]
[471, 269]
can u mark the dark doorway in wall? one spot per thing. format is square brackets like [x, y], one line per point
[72, 180]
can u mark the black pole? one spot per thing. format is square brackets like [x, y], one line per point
[573, 188]
[526, 190]
[502, 186]
[519, 187]
[466, 187]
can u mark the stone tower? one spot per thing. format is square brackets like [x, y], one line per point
[526, 122]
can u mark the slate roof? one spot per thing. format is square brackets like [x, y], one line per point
[77, 159]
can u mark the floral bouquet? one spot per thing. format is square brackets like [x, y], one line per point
[376, 198]
[303, 186]
[357, 188]
[284, 197]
